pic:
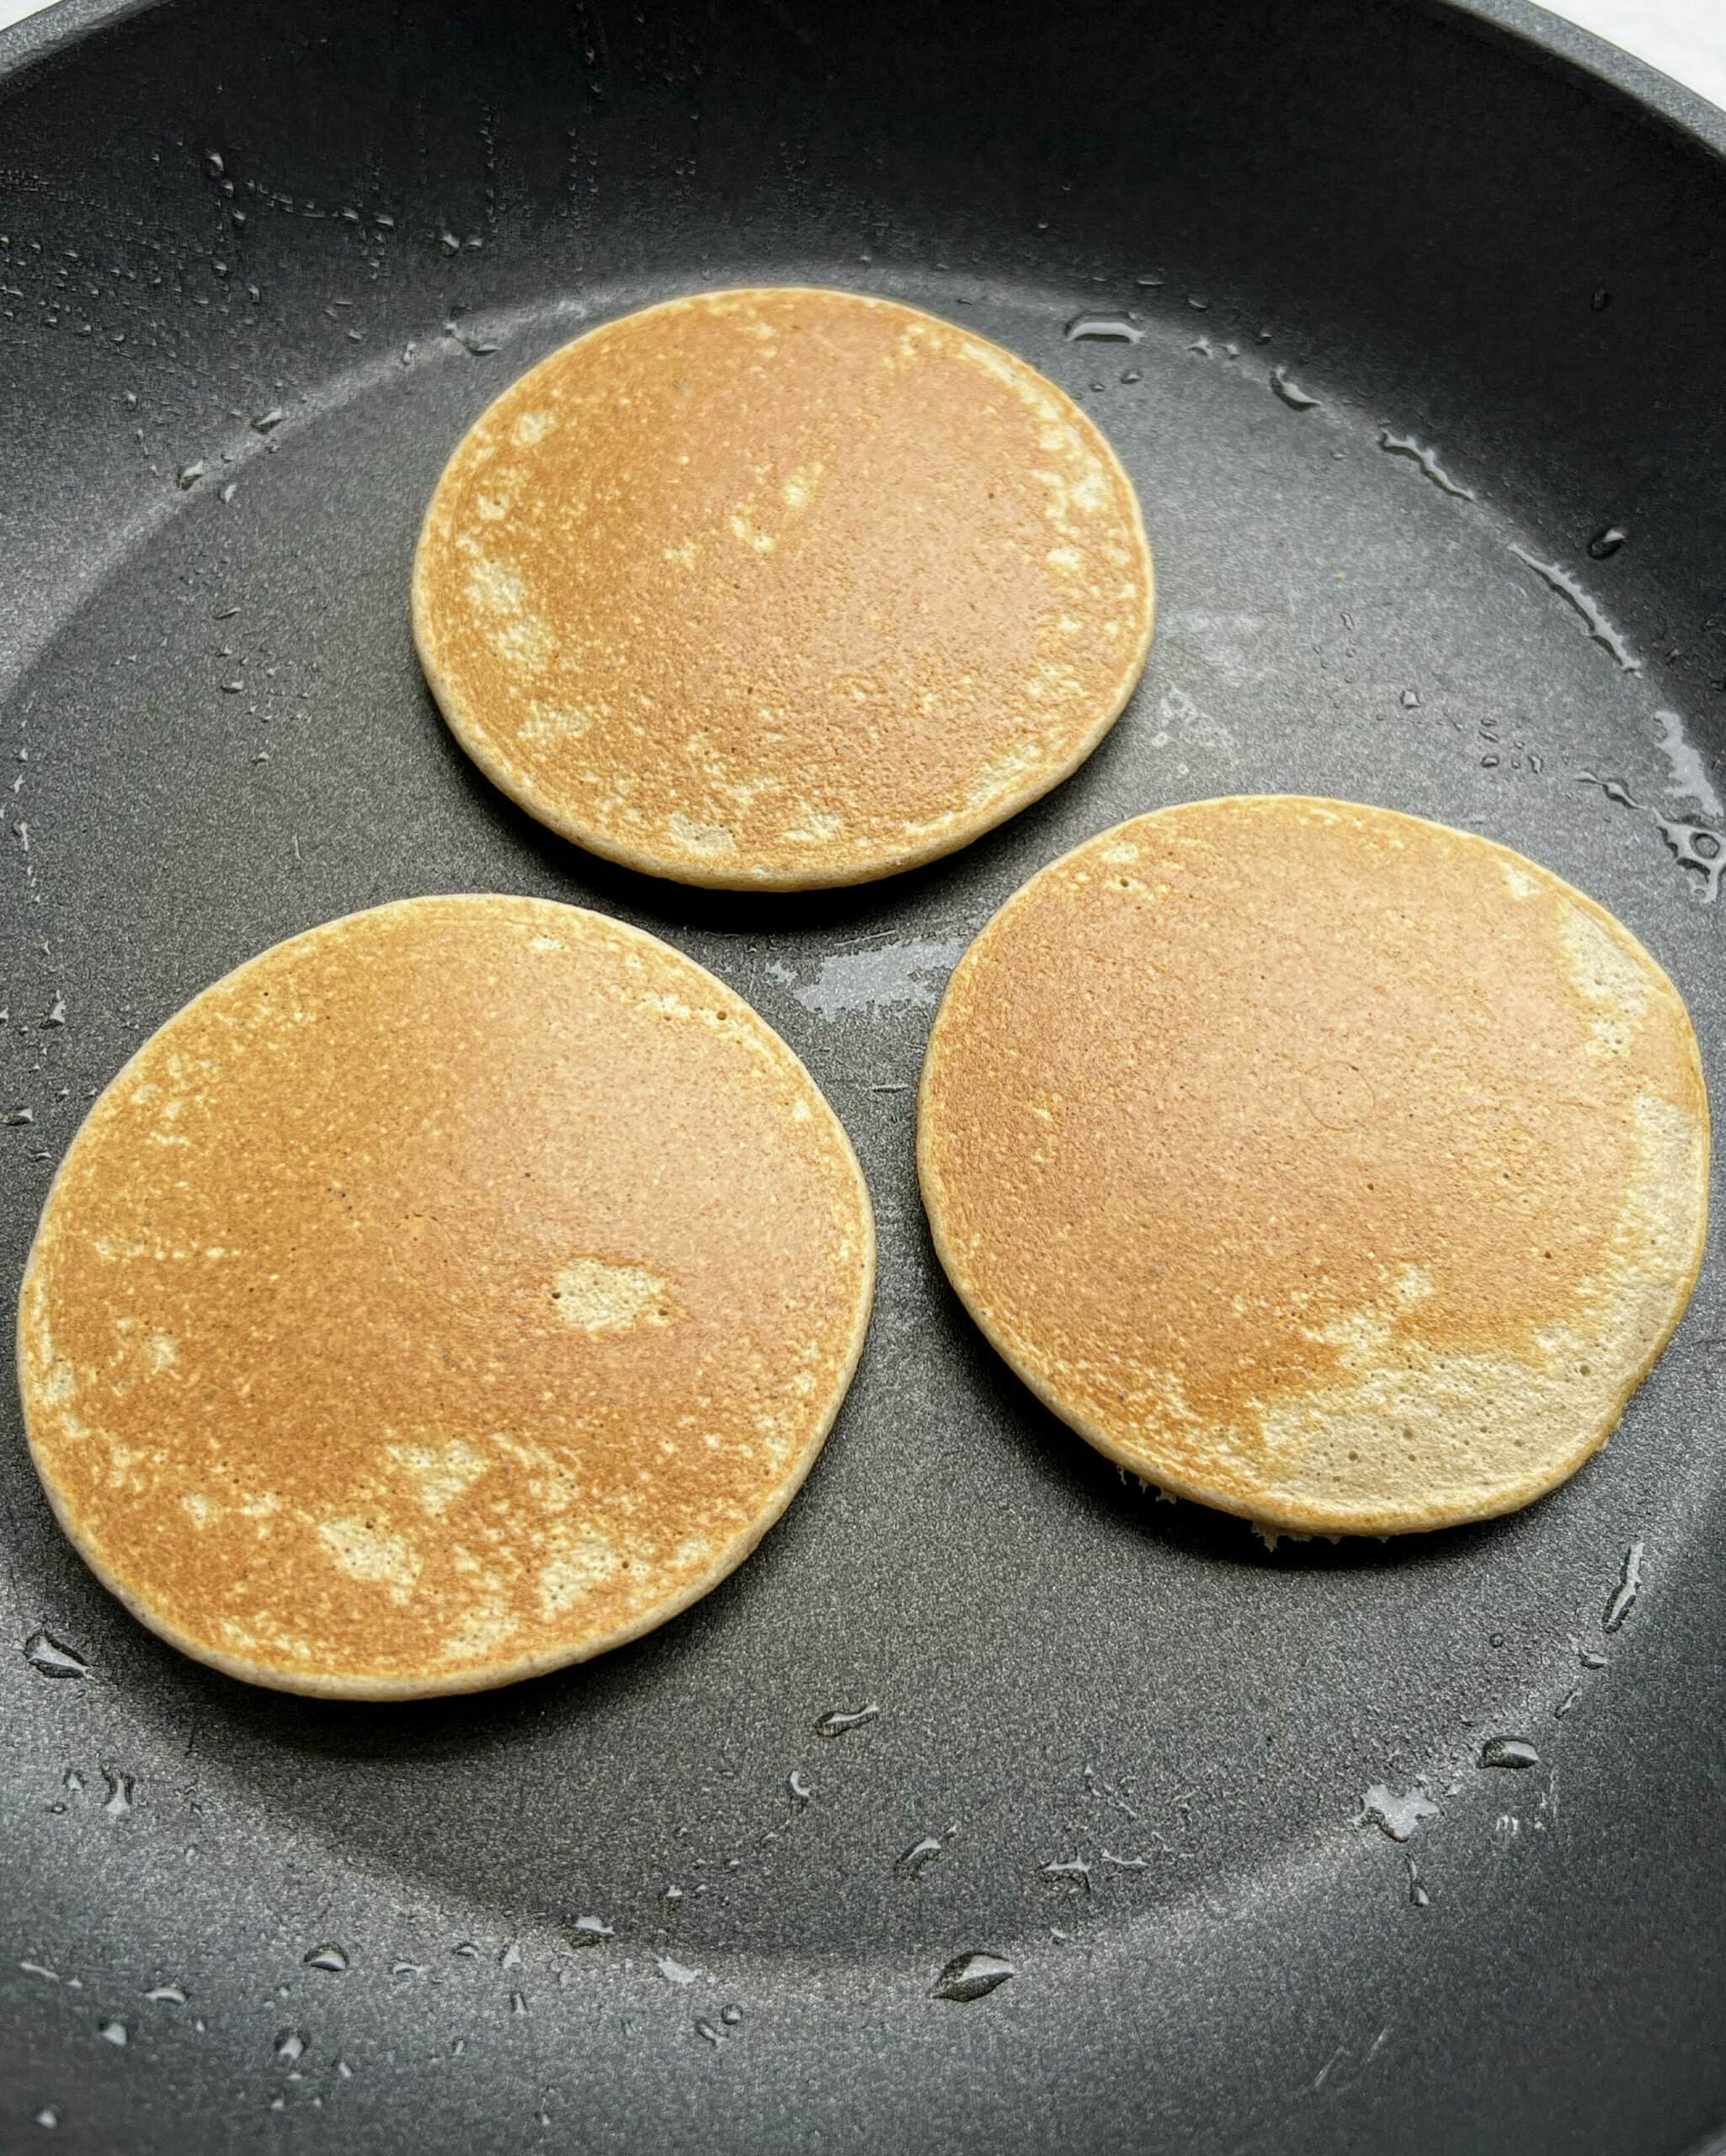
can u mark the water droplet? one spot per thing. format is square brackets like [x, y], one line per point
[467, 1949]
[1193, 300]
[40, 1969]
[839, 1720]
[1568, 1701]
[1559, 579]
[1400, 1817]
[798, 1784]
[56, 1014]
[676, 1972]
[47, 2117]
[731, 2015]
[477, 346]
[333, 1959]
[1417, 1893]
[344, 2069]
[1590, 1658]
[1123, 1863]
[267, 422]
[517, 2002]
[588, 1931]
[189, 475]
[1605, 544]
[705, 2030]
[1102, 329]
[408, 1968]
[673, 1893]
[918, 1857]
[166, 1995]
[1694, 845]
[973, 1976]
[1508, 1751]
[1289, 391]
[1075, 1868]
[1601, 299]
[1132, 376]
[290, 2045]
[42, 1651]
[17, 1120]
[1630, 1587]
[1411, 699]
[449, 243]
[227, 493]
[73, 1780]
[510, 1958]
[1426, 459]
[114, 2033]
[1151, 279]
[120, 1792]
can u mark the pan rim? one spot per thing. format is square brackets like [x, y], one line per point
[55, 30]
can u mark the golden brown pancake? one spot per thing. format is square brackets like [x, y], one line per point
[454, 1291]
[1317, 1162]
[775, 589]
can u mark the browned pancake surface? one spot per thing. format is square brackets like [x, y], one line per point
[1317, 1162]
[780, 587]
[452, 1292]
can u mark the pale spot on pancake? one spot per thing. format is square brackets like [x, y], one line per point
[585, 1561]
[799, 487]
[695, 836]
[1609, 979]
[599, 1296]
[1066, 560]
[685, 556]
[1119, 853]
[744, 791]
[481, 1631]
[59, 1383]
[814, 825]
[550, 725]
[750, 533]
[371, 1553]
[198, 1506]
[1003, 773]
[496, 588]
[1090, 491]
[161, 1353]
[531, 428]
[527, 643]
[439, 1474]
[546, 944]
[1521, 884]
[492, 509]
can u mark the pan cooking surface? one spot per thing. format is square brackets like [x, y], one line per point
[1222, 1808]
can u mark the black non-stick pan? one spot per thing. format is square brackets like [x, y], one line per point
[1409, 322]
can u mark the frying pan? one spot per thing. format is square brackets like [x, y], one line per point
[1403, 306]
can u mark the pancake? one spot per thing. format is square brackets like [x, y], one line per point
[1316, 1162]
[452, 1292]
[775, 589]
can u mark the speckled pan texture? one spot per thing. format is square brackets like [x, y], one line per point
[482, 1365]
[779, 588]
[1317, 1162]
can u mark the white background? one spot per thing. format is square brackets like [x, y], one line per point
[1684, 38]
